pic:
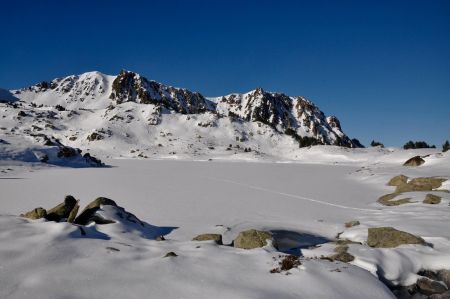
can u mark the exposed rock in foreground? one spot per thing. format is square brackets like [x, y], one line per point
[342, 255]
[67, 212]
[63, 210]
[89, 213]
[253, 238]
[389, 237]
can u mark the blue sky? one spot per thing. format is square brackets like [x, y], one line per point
[382, 67]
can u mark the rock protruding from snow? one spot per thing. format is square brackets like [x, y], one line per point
[209, 237]
[131, 87]
[89, 213]
[253, 238]
[414, 161]
[293, 115]
[388, 237]
[398, 180]
[63, 210]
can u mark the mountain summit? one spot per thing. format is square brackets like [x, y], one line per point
[129, 115]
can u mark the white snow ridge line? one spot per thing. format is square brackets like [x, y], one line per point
[291, 195]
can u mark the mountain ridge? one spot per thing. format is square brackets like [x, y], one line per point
[130, 113]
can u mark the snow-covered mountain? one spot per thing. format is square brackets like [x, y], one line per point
[130, 116]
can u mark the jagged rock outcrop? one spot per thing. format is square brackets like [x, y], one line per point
[63, 210]
[295, 116]
[129, 86]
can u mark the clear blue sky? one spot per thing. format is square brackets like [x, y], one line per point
[383, 67]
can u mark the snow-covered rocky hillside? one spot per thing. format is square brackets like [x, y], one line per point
[130, 116]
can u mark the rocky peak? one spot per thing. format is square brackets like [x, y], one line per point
[129, 86]
[334, 122]
[295, 115]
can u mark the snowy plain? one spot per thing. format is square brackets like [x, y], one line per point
[305, 203]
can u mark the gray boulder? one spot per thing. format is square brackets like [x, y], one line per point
[252, 238]
[388, 237]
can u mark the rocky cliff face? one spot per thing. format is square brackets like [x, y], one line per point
[129, 86]
[295, 116]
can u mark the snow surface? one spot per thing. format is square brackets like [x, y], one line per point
[304, 203]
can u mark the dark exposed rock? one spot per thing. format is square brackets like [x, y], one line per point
[287, 263]
[432, 199]
[62, 211]
[60, 108]
[93, 161]
[429, 287]
[67, 152]
[388, 237]
[129, 86]
[88, 213]
[414, 161]
[445, 295]
[357, 143]
[444, 276]
[95, 136]
[170, 254]
[73, 213]
[43, 158]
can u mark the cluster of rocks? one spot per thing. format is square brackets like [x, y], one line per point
[248, 239]
[404, 184]
[67, 211]
[432, 285]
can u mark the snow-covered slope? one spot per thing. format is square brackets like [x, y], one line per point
[130, 116]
